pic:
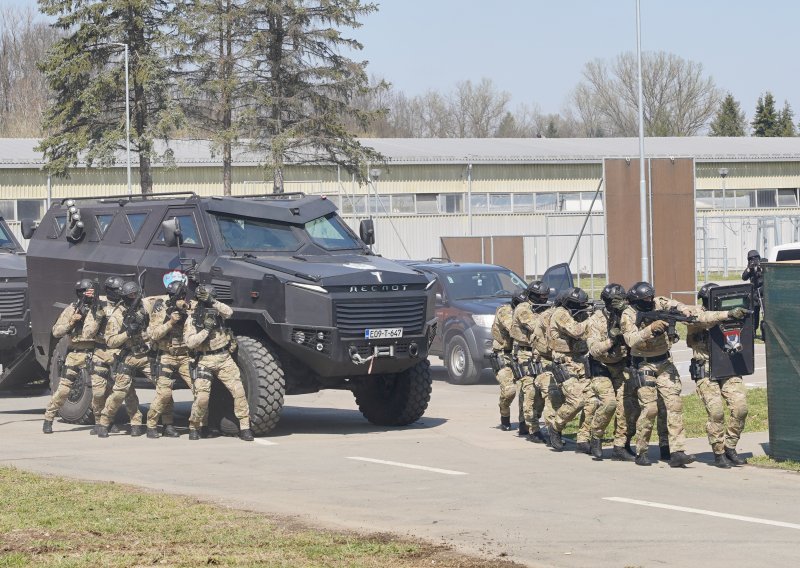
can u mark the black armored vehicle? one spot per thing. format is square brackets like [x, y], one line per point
[16, 347]
[314, 308]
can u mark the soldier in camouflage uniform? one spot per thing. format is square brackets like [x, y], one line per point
[657, 375]
[80, 323]
[522, 325]
[609, 359]
[167, 317]
[547, 389]
[111, 307]
[126, 330]
[534, 398]
[502, 344]
[211, 341]
[567, 340]
[713, 391]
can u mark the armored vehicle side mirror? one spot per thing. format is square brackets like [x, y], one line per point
[172, 231]
[28, 227]
[367, 231]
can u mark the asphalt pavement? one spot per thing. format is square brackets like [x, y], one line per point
[451, 478]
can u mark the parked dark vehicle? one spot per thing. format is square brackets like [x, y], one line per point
[467, 297]
[314, 308]
[16, 346]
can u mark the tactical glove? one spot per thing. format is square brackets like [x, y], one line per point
[737, 313]
[658, 327]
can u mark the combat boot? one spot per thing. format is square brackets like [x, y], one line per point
[246, 435]
[523, 429]
[680, 459]
[665, 453]
[93, 431]
[101, 431]
[194, 435]
[555, 439]
[582, 448]
[114, 429]
[641, 459]
[505, 423]
[170, 431]
[152, 433]
[137, 429]
[734, 457]
[721, 461]
[206, 432]
[596, 446]
[620, 454]
[47, 427]
[628, 447]
[536, 437]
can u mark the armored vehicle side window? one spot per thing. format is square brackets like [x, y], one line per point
[191, 236]
[330, 233]
[243, 234]
[136, 220]
[5, 240]
[103, 221]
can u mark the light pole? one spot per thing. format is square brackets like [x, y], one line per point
[723, 172]
[374, 174]
[642, 183]
[469, 197]
[127, 115]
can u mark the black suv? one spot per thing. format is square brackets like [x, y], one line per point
[467, 297]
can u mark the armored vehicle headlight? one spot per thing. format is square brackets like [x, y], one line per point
[483, 320]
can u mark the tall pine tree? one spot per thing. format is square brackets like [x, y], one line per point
[86, 118]
[765, 121]
[785, 126]
[302, 84]
[730, 119]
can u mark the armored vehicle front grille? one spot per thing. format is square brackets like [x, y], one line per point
[352, 318]
[12, 303]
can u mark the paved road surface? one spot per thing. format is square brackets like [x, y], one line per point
[451, 478]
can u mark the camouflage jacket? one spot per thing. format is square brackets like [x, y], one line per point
[116, 336]
[641, 340]
[197, 338]
[539, 335]
[523, 322]
[82, 333]
[166, 334]
[601, 347]
[697, 337]
[565, 335]
[501, 329]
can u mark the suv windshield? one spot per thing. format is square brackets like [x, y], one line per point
[330, 233]
[242, 233]
[469, 284]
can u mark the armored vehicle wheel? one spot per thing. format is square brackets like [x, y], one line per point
[262, 377]
[78, 407]
[395, 399]
[460, 366]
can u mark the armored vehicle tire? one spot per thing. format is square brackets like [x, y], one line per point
[262, 378]
[395, 399]
[78, 407]
[461, 368]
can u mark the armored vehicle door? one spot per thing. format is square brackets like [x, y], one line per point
[558, 278]
[159, 258]
[732, 342]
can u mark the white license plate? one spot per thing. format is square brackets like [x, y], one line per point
[385, 333]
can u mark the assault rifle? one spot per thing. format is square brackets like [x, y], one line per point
[672, 316]
[203, 311]
[133, 322]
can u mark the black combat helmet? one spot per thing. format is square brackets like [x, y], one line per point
[702, 293]
[612, 292]
[517, 299]
[176, 290]
[113, 288]
[752, 254]
[575, 299]
[642, 296]
[130, 292]
[81, 286]
[537, 292]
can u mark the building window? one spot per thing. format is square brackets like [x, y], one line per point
[787, 198]
[379, 205]
[546, 201]
[739, 199]
[766, 198]
[523, 202]
[7, 210]
[427, 203]
[570, 202]
[356, 204]
[478, 203]
[586, 201]
[499, 202]
[451, 203]
[16, 210]
[403, 203]
[704, 200]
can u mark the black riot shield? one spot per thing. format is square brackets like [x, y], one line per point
[732, 351]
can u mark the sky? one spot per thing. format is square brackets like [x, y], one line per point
[536, 49]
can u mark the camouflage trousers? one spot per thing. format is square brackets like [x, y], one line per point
[599, 409]
[123, 384]
[102, 386]
[550, 395]
[526, 392]
[576, 392]
[508, 389]
[626, 407]
[74, 362]
[223, 367]
[163, 404]
[667, 385]
[733, 392]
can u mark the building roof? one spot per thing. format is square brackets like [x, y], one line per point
[20, 153]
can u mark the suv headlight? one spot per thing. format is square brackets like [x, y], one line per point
[483, 320]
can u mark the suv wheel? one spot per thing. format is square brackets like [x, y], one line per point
[396, 399]
[458, 360]
[78, 407]
[262, 378]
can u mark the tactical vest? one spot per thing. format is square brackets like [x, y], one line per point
[561, 342]
[540, 334]
[173, 340]
[501, 334]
